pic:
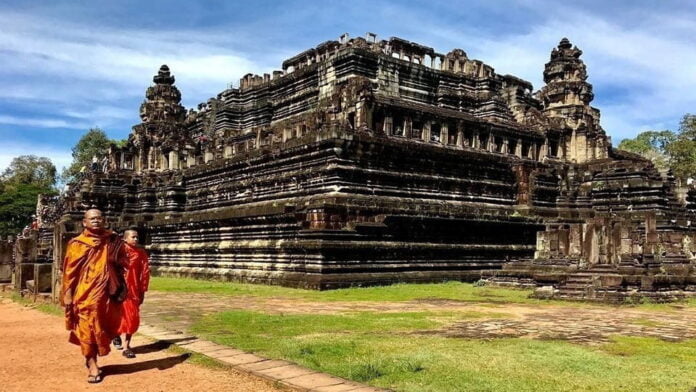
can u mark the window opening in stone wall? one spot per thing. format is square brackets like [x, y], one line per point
[498, 144]
[351, 120]
[436, 62]
[398, 125]
[525, 150]
[483, 141]
[512, 146]
[468, 138]
[452, 133]
[553, 148]
[435, 132]
[417, 130]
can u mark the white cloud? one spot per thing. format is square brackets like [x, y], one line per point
[40, 122]
[60, 157]
[121, 60]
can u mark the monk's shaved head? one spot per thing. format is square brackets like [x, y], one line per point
[130, 237]
[93, 220]
[91, 212]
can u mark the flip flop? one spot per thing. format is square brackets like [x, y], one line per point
[128, 353]
[94, 379]
[100, 369]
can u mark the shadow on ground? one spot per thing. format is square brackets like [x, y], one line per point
[158, 346]
[160, 364]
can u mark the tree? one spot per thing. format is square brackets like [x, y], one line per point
[30, 169]
[17, 204]
[682, 150]
[651, 145]
[666, 149]
[21, 183]
[93, 143]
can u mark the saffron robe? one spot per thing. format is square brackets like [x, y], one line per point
[91, 269]
[137, 281]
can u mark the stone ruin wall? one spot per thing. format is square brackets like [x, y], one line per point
[369, 162]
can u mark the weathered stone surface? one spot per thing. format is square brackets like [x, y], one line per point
[368, 162]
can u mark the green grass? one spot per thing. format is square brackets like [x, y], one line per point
[456, 291]
[390, 350]
[199, 359]
[50, 308]
[647, 322]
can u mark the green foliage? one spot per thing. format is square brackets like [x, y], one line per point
[17, 204]
[23, 181]
[652, 145]
[668, 150]
[93, 143]
[682, 151]
[30, 169]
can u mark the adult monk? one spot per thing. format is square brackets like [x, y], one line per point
[92, 285]
[137, 281]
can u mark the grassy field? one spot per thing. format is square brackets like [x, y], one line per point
[456, 291]
[394, 350]
[405, 352]
[398, 292]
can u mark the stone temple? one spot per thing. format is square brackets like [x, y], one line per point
[367, 161]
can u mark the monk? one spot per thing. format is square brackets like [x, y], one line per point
[92, 288]
[137, 282]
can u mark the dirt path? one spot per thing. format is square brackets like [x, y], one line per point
[36, 356]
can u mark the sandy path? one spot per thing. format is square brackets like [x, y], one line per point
[36, 356]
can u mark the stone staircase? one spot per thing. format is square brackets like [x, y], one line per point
[598, 283]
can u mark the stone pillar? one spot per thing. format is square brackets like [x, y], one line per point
[504, 149]
[475, 142]
[544, 149]
[388, 125]
[208, 156]
[174, 160]
[150, 158]
[425, 134]
[518, 148]
[461, 141]
[533, 152]
[408, 126]
[444, 134]
[163, 161]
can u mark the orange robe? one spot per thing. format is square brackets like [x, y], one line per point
[137, 281]
[91, 271]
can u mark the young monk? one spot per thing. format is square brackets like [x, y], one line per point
[137, 281]
[92, 267]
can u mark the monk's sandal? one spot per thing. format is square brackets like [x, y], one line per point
[117, 343]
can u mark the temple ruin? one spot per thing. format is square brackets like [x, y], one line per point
[367, 161]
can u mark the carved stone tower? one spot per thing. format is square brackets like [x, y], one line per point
[566, 97]
[160, 136]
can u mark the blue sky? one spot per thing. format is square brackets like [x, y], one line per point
[69, 66]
